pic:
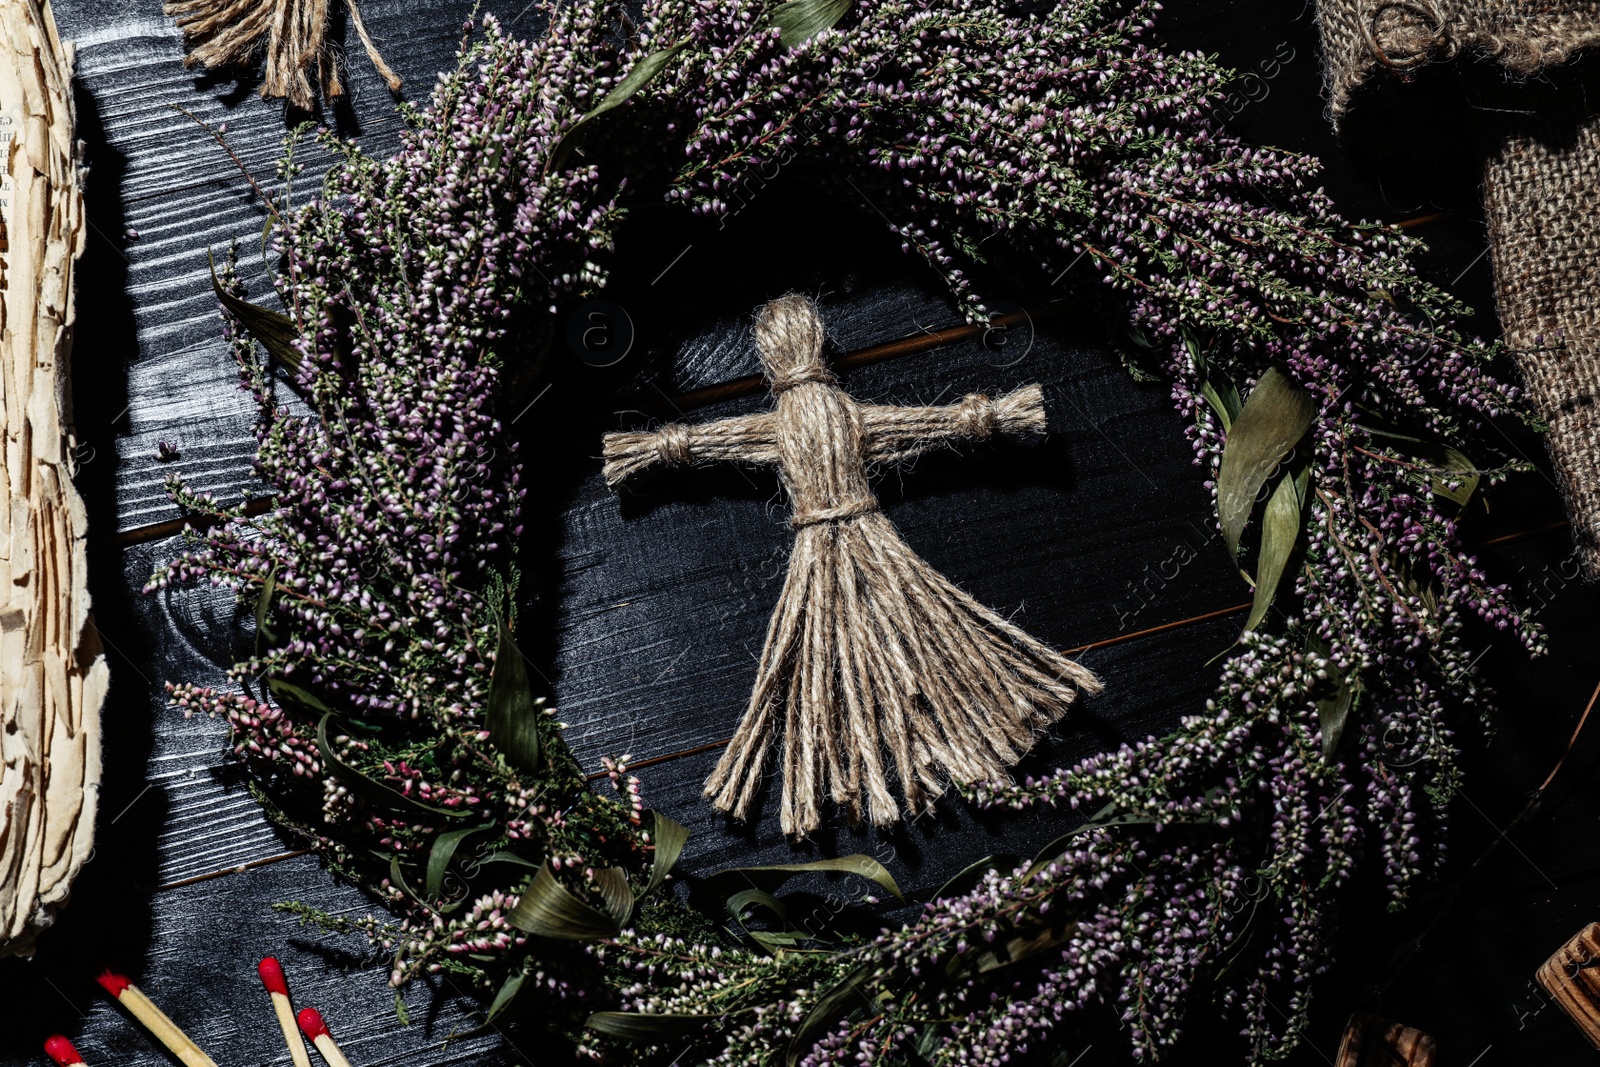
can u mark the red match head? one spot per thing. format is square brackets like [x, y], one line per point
[271, 972]
[113, 982]
[311, 1024]
[61, 1050]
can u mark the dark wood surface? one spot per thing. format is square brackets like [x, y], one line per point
[649, 609]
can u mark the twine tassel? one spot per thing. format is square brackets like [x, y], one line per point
[292, 35]
[873, 659]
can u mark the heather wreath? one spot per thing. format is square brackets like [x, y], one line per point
[396, 731]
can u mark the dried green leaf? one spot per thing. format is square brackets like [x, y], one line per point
[966, 880]
[508, 857]
[1454, 462]
[1444, 461]
[641, 75]
[739, 904]
[1280, 532]
[669, 836]
[1334, 711]
[746, 898]
[549, 909]
[646, 1029]
[1015, 949]
[832, 1006]
[442, 852]
[1272, 421]
[264, 635]
[397, 879]
[771, 877]
[293, 696]
[507, 995]
[1217, 389]
[775, 941]
[276, 332]
[615, 893]
[372, 791]
[512, 715]
[800, 20]
[1221, 403]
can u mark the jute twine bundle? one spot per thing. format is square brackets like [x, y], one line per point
[293, 34]
[1540, 146]
[873, 660]
[52, 674]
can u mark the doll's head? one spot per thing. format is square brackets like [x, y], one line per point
[789, 337]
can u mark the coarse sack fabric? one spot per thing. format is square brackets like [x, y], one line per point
[1540, 148]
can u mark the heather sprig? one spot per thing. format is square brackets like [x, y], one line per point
[1209, 861]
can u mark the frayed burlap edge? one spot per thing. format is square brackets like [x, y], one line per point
[1360, 37]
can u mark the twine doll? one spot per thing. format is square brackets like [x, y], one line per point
[873, 659]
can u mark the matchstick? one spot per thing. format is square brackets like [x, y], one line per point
[271, 972]
[154, 1019]
[60, 1049]
[317, 1030]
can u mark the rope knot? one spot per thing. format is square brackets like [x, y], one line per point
[673, 445]
[1405, 34]
[860, 505]
[979, 416]
[792, 376]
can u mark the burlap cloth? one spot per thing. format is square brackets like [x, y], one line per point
[1539, 141]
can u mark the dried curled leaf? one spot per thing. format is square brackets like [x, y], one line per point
[549, 909]
[645, 1029]
[370, 790]
[443, 851]
[1272, 421]
[848, 994]
[771, 877]
[669, 836]
[800, 20]
[1455, 477]
[1280, 533]
[512, 714]
[275, 331]
[1334, 712]
[642, 74]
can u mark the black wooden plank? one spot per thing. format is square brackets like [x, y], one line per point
[194, 951]
[1149, 684]
[1045, 534]
[1079, 535]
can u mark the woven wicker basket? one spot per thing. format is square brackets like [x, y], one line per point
[52, 674]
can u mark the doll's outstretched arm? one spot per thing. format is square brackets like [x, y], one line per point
[894, 434]
[741, 439]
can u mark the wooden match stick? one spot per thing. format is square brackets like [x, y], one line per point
[60, 1049]
[154, 1019]
[271, 972]
[317, 1030]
